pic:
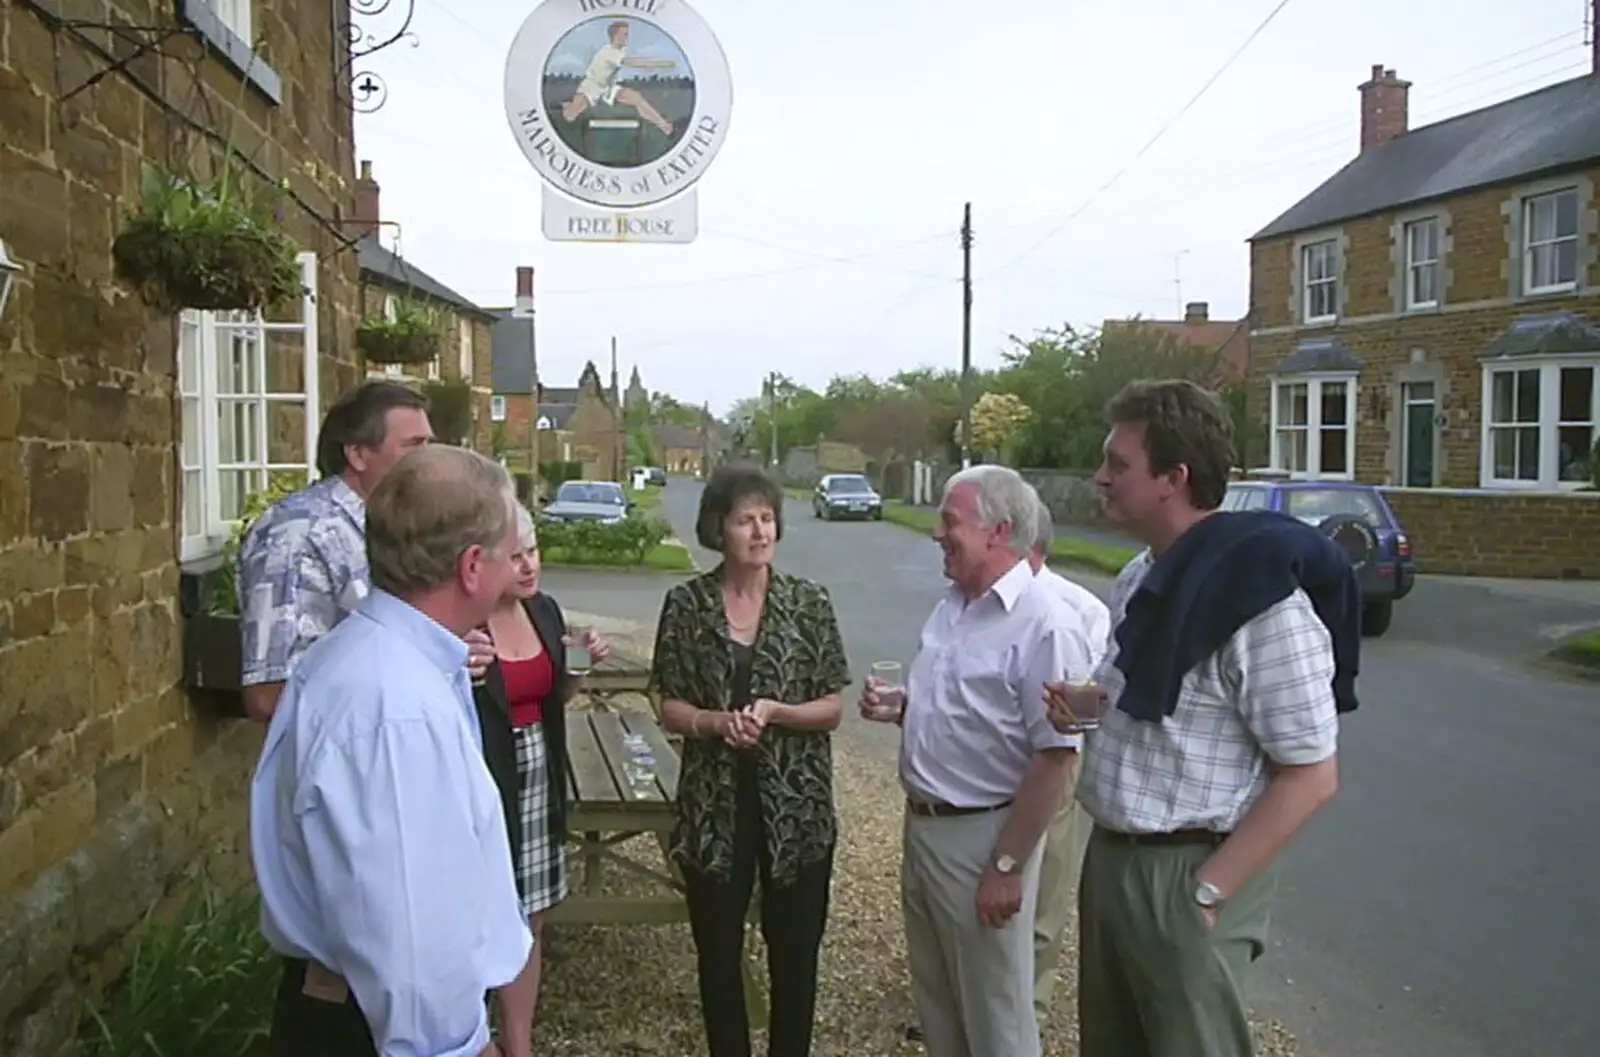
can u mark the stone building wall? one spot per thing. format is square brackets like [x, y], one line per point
[114, 782]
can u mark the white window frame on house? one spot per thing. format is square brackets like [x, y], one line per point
[1422, 263]
[1327, 278]
[237, 16]
[464, 350]
[497, 409]
[1542, 432]
[1314, 430]
[1544, 248]
[223, 387]
[433, 369]
[391, 312]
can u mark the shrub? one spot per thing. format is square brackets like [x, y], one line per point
[450, 410]
[627, 542]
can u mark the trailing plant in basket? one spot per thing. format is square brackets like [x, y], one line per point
[214, 247]
[412, 336]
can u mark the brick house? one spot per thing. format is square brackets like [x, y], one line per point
[1230, 337]
[128, 439]
[1426, 320]
[680, 449]
[387, 278]
[579, 424]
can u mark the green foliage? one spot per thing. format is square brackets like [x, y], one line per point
[224, 582]
[641, 446]
[414, 335]
[203, 984]
[627, 542]
[556, 474]
[215, 247]
[450, 410]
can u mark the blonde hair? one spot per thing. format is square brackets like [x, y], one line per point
[527, 532]
[435, 503]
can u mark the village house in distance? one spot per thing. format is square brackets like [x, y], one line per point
[1426, 320]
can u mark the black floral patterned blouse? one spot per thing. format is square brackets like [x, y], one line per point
[797, 657]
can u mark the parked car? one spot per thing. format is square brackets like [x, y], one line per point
[846, 495]
[658, 476]
[1358, 519]
[602, 501]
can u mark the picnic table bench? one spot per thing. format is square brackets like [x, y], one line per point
[606, 810]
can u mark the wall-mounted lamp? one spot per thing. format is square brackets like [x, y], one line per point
[8, 271]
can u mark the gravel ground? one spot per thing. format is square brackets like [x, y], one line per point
[631, 990]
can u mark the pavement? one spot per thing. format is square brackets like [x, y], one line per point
[1444, 905]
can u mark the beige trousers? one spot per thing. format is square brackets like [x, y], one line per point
[972, 985]
[1059, 867]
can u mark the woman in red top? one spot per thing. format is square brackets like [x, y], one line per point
[522, 710]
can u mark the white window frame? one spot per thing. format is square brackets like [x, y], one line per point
[1549, 422]
[1313, 427]
[433, 369]
[1422, 261]
[237, 16]
[464, 349]
[201, 462]
[1327, 278]
[497, 409]
[391, 312]
[1531, 247]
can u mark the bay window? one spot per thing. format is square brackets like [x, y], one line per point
[1313, 425]
[1541, 419]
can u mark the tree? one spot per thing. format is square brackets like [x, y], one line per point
[996, 419]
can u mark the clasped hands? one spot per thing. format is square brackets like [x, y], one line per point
[741, 729]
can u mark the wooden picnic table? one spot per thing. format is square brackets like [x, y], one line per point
[606, 810]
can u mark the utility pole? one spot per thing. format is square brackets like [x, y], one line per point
[1177, 278]
[619, 453]
[966, 336]
[772, 413]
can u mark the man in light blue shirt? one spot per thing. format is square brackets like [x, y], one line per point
[376, 830]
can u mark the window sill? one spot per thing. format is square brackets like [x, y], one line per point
[1320, 321]
[1422, 308]
[232, 50]
[1551, 291]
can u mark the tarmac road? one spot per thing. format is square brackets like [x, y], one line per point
[1447, 904]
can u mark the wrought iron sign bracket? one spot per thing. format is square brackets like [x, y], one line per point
[369, 27]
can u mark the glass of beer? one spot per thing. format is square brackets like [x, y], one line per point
[578, 660]
[1086, 699]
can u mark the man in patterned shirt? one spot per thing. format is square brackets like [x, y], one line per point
[1193, 801]
[303, 565]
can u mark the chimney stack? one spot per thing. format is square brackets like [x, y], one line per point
[369, 210]
[524, 306]
[1384, 110]
[1196, 312]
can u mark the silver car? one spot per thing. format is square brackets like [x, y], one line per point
[602, 501]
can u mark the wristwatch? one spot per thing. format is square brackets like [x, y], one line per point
[1208, 895]
[1005, 864]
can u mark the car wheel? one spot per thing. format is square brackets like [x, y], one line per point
[1376, 617]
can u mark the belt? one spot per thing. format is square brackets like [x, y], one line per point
[927, 810]
[1179, 836]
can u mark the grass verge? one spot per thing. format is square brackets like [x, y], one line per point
[1583, 650]
[644, 499]
[664, 558]
[1099, 557]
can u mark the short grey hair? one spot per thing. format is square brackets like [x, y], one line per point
[435, 503]
[1045, 527]
[1003, 498]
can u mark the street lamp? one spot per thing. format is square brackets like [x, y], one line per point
[8, 271]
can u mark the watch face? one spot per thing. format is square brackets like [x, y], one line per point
[1005, 864]
[1207, 895]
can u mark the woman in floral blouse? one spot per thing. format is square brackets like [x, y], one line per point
[749, 666]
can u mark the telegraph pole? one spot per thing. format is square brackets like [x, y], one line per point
[966, 336]
[772, 413]
[619, 451]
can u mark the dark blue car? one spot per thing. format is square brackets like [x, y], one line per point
[1359, 519]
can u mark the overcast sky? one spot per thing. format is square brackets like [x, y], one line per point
[828, 222]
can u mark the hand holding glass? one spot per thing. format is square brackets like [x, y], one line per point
[578, 660]
[1075, 708]
[883, 699]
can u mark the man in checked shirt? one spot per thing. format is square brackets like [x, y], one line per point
[1217, 738]
[303, 565]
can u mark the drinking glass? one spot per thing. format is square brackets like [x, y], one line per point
[887, 679]
[578, 660]
[1087, 700]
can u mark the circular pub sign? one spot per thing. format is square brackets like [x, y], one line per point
[618, 103]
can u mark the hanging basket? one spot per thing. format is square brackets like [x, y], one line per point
[241, 267]
[384, 342]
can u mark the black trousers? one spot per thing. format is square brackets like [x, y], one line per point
[792, 921]
[304, 1026]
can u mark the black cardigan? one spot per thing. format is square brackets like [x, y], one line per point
[494, 716]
